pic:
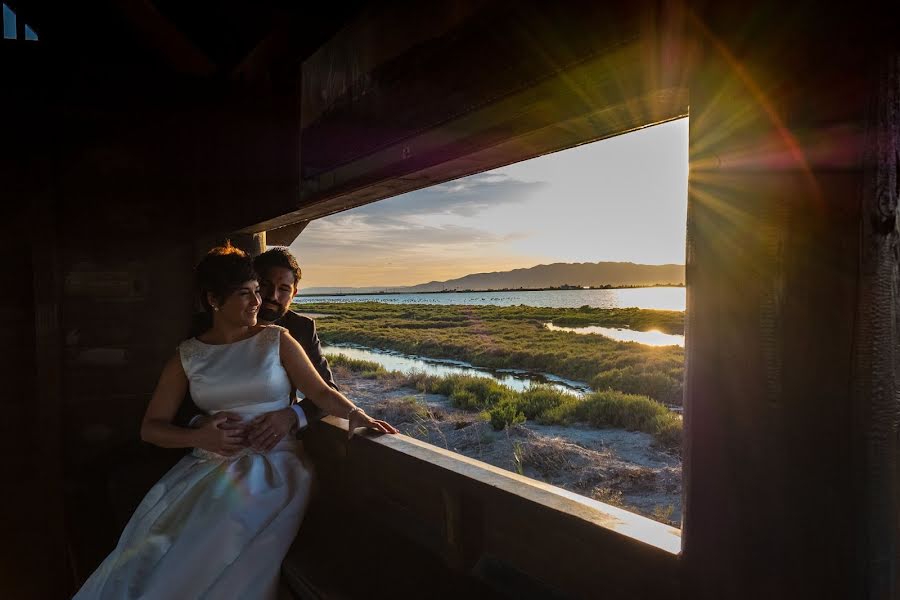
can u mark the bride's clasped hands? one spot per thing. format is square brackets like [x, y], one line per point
[226, 433]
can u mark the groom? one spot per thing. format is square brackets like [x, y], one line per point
[279, 278]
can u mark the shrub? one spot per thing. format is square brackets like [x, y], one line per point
[537, 400]
[502, 406]
[462, 398]
[631, 380]
[615, 409]
[564, 414]
[368, 369]
[505, 414]
[669, 431]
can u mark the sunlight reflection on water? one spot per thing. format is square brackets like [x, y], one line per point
[658, 298]
[651, 338]
[516, 379]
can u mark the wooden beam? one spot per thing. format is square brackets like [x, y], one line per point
[458, 148]
[255, 66]
[876, 356]
[420, 114]
[790, 458]
[285, 236]
[164, 37]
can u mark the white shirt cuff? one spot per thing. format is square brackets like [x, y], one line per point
[302, 423]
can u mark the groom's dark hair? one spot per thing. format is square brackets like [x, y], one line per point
[277, 257]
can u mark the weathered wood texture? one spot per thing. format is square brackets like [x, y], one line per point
[494, 531]
[33, 557]
[132, 175]
[453, 91]
[790, 467]
[285, 236]
[790, 406]
[877, 334]
[33, 554]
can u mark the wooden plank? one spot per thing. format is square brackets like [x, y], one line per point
[876, 354]
[775, 454]
[164, 37]
[503, 519]
[285, 236]
[547, 77]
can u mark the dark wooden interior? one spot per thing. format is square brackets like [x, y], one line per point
[137, 133]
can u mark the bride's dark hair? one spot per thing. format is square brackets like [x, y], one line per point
[223, 270]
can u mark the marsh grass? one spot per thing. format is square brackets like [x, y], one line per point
[443, 316]
[367, 369]
[505, 407]
[497, 337]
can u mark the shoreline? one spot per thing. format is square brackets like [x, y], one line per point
[496, 290]
[580, 388]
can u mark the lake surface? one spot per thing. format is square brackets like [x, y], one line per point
[512, 378]
[651, 338]
[659, 298]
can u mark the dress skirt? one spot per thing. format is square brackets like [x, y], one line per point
[212, 528]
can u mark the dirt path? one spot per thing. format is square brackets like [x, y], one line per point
[624, 468]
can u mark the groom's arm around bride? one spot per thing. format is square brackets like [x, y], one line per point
[279, 276]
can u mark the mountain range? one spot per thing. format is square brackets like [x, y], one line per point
[541, 276]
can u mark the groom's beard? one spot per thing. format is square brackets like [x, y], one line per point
[269, 312]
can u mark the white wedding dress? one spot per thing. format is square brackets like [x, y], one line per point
[216, 527]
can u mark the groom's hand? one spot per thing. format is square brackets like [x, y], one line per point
[268, 429]
[232, 421]
[222, 433]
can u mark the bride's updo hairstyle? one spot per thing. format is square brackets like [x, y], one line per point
[223, 270]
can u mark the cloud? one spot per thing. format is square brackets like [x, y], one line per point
[463, 197]
[358, 250]
[411, 222]
[618, 199]
[359, 233]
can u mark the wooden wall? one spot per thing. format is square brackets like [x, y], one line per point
[112, 175]
[790, 401]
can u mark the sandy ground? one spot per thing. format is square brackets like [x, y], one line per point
[624, 468]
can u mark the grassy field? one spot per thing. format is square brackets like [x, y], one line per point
[543, 404]
[514, 337]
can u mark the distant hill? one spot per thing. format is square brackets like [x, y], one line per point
[540, 276]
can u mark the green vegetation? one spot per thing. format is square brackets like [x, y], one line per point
[498, 337]
[365, 368]
[505, 407]
[667, 321]
[615, 409]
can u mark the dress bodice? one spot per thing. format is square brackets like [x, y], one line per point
[244, 377]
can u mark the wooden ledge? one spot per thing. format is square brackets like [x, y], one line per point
[613, 519]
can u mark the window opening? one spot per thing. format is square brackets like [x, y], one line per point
[531, 316]
[9, 23]
[11, 27]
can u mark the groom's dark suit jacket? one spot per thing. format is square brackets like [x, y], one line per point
[302, 329]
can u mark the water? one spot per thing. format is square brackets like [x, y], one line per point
[651, 338]
[658, 298]
[512, 378]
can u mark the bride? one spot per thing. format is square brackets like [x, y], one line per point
[219, 523]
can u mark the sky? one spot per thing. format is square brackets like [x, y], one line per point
[619, 199]
[9, 25]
